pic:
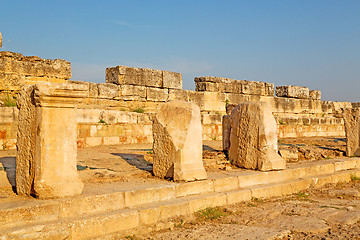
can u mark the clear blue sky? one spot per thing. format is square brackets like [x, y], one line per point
[312, 43]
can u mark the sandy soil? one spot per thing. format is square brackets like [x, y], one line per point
[332, 212]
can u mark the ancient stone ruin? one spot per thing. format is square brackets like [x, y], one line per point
[253, 137]
[352, 129]
[47, 151]
[178, 142]
[56, 116]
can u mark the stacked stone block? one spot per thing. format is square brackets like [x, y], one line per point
[123, 75]
[297, 92]
[226, 85]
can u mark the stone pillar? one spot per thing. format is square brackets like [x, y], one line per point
[253, 137]
[177, 144]
[352, 131]
[47, 151]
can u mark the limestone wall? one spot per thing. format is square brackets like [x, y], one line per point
[16, 70]
[120, 110]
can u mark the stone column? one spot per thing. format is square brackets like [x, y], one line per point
[352, 131]
[178, 142]
[47, 151]
[253, 137]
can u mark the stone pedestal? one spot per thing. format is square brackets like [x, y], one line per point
[352, 131]
[47, 151]
[253, 137]
[178, 142]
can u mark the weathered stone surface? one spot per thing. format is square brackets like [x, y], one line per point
[34, 66]
[226, 85]
[0, 40]
[315, 94]
[292, 91]
[47, 150]
[177, 143]
[253, 137]
[226, 129]
[26, 136]
[143, 77]
[352, 131]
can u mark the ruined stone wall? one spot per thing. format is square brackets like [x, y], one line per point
[17, 70]
[120, 110]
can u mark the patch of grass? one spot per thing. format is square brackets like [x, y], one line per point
[139, 110]
[257, 200]
[354, 178]
[282, 122]
[328, 158]
[211, 213]
[149, 152]
[180, 224]
[250, 204]
[213, 138]
[10, 101]
[102, 121]
[4, 146]
[353, 156]
[227, 102]
[131, 237]
[302, 195]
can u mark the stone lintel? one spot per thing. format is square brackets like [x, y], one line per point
[62, 95]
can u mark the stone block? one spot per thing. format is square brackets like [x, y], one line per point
[252, 88]
[253, 137]
[178, 95]
[315, 94]
[34, 66]
[196, 97]
[198, 187]
[149, 215]
[206, 87]
[352, 131]
[94, 141]
[237, 196]
[143, 77]
[33, 212]
[270, 190]
[91, 204]
[226, 184]
[174, 208]
[345, 165]
[177, 144]
[102, 225]
[213, 102]
[197, 203]
[132, 92]
[46, 161]
[292, 91]
[226, 85]
[157, 94]
[269, 89]
[108, 90]
[172, 80]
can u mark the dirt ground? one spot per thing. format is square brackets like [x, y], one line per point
[332, 212]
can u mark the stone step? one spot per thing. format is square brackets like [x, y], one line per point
[31, 210]
[95, 224]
